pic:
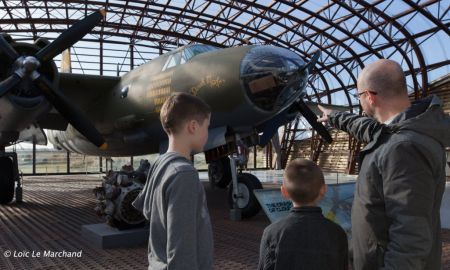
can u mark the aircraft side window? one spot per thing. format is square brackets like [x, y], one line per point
[170, 63]
[194, 50]
[183, 57]
[177, 58]
[188, 53]
[173, 60]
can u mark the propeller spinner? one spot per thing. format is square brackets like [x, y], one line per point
[27, 67]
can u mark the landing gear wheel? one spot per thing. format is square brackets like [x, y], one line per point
[219, 173]
[6, 180]
[248, 203]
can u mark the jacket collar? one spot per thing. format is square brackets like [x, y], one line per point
[417, 107]
[306, 210]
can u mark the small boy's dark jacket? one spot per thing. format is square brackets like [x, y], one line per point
[304, 239]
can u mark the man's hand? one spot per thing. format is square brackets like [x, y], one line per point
[325, 116]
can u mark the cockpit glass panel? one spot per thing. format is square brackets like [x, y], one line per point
[271, 75]
[197, 49]
[186, 54]
[172, 61]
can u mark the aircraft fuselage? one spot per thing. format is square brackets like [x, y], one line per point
[243, 86]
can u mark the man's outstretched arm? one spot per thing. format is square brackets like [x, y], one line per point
[364, 129]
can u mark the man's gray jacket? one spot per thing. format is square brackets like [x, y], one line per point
[395, 213]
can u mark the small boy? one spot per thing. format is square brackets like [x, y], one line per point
[173, 199]
[304, 239]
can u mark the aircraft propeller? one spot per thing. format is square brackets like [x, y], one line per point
[311, 117]
[27, 67]
[300, 105]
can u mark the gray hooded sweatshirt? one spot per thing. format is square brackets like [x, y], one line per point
[395, 213]
[173, 200]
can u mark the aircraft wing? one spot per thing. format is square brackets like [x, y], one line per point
[82, 90]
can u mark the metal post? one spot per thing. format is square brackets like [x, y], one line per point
[17, 178]
[270, 155]
[101, 56]
[254, 157]
[68, 162]
[235, 213]
[34, 158]
[131, 56]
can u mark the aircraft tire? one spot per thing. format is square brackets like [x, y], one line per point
[249, 205]
[6, 180]
[219, 172]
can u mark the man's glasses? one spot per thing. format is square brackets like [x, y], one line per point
[358, 95]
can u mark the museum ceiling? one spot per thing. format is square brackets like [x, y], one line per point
[349, 34]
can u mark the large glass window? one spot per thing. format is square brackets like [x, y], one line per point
[51, 161]
[84, 163]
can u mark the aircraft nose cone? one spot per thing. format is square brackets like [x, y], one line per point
[271, 76]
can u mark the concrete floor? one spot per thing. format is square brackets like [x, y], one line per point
[55, 208]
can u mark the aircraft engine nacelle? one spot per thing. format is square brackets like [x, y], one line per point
[24, 103]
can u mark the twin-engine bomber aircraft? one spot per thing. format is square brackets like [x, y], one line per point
[252, 91]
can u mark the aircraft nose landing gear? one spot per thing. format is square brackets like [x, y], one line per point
[241, 199]
[223, 171]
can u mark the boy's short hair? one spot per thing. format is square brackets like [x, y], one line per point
[182, 107]
[303, 180]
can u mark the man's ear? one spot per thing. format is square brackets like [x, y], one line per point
[284, 192]
[372, 98]
[323, 190]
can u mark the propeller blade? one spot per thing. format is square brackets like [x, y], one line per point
[312, 120]
[71, 113]
[8, 50]
[66, 62]
[70, 36]
[313, 61]
[313, 106]
[9, 83]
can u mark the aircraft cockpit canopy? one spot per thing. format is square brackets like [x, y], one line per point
[272, 76]
[185, 54]
[193, 50]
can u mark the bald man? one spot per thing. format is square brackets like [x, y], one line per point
[395, 213]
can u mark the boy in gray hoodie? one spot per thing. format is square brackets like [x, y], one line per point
[173, 199]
